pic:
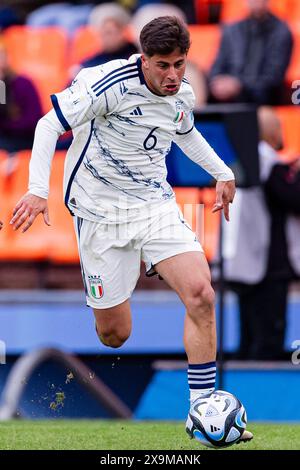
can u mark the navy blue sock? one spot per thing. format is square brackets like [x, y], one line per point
[202, 379]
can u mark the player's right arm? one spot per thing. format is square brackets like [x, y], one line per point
[34, 201]
[77, 105]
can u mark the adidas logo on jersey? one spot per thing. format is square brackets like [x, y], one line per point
[137, 112]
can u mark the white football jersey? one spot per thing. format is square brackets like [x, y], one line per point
[115, 167]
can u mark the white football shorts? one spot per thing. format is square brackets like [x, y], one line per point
[111, 254]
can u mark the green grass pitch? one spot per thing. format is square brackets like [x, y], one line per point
[130, 435]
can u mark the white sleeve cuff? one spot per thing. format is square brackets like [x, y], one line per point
[46, 135]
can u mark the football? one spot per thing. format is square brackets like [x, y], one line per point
[217, 419]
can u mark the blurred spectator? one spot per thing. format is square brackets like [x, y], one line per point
[253, 58]
[148, 12]
[20, 114]
[264, 256]
[198, 82]
[194, 75]
[64, 15]
[110, 21]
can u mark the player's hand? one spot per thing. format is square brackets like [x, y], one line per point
[1, 225]
[225, 193]
[27, 209]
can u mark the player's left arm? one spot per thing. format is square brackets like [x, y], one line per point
[193, 144]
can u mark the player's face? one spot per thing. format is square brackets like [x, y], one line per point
[164, 73]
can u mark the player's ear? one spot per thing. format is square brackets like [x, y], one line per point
[145, 61]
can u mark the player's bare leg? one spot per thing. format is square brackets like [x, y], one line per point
[188, 274]
[113, 324]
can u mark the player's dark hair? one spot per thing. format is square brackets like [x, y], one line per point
[163, 35]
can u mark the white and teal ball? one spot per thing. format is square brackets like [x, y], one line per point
[217, 419]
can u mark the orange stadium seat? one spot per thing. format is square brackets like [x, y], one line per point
[3, 179]
[205, 40]
[34, 244]
[234, 10]
[295, 10]
[290, 121]
[85, 43]
[3, 159]
[63, 245]
[211, 223]
[56, 243]
[293, 71]
[196, 205]
[5, 209]
[39, 53]
[188, 201]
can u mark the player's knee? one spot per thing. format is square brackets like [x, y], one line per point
[201, 296]
[113, 338]
[113, 341]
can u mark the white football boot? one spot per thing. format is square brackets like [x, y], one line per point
[247, 436]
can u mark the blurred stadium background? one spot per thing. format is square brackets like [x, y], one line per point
[42, 301]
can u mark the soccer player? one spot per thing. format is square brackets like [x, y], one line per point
[124, 116]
